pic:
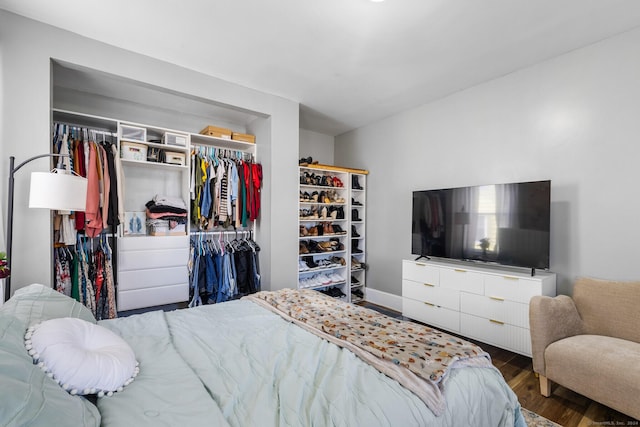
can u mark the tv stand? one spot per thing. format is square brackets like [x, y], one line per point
[422, 256]
[483, 303]
[533, 271]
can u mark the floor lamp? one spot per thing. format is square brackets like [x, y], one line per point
[55, 190]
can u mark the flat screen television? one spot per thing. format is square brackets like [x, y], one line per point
[505, 224]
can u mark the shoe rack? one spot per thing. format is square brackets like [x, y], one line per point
[357, 198]
[325, 261]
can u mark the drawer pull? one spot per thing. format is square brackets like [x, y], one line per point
[421, 264]
[509, 278]
[497, 322]
[429, 304]
[459, 270]
[497, 298]
[430, 285]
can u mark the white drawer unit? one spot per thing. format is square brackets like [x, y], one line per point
[421, 272]
[431, 294]
[486, 304]
[152, 271]
[431, 314]
[462, 280]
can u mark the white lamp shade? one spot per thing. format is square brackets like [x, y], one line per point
[58, 191]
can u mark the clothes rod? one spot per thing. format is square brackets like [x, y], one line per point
[195, 233]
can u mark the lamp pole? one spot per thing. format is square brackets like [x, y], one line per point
[12, 170]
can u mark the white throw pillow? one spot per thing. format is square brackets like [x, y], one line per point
[84, 358]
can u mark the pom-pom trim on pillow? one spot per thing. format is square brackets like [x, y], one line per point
[82, 357]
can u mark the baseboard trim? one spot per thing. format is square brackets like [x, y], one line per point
[384, 299]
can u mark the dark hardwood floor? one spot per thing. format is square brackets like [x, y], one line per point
[564, 406]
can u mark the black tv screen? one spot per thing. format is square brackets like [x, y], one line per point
[503, 223]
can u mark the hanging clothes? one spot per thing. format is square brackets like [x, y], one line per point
[225, 189]
[221, 270]
[84, 272]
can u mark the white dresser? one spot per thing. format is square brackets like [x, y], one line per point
[152, 271]
[485, 304]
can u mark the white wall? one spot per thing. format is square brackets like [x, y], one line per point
[574, 119]
[317, 146]
[26, 48]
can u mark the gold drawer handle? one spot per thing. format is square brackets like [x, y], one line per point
[460, 271]
[496, 322]
[429, 304]
[509, 277]
[421, 264]
[430, 285]
[497, 298]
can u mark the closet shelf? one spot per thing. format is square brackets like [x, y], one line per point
[154, 165]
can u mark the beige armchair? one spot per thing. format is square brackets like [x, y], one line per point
[590, 343]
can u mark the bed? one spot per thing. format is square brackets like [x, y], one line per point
[239, 363]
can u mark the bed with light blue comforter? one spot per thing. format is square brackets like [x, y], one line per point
[239, 364]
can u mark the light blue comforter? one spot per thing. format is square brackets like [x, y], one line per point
[238, 364]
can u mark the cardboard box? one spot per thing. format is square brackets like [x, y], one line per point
[218, 132]
[245, 137]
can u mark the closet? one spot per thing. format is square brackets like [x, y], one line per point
[156, 229]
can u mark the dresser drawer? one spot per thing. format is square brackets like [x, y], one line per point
[510, 312]
[142, 243]
[511, 288]
[462, 280]
[431, 314]
[499, 334]
[431, 294]
[142, 279]
[140, 298]
[150, 259]
[420, 272]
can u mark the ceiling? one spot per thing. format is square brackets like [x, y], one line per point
[347, 62]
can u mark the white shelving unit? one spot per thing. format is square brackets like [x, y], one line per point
[152, 270]
[357, 185]
[336, 268]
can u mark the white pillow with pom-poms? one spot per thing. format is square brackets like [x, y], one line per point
[82, 357]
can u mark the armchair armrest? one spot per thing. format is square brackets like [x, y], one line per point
[550, 320]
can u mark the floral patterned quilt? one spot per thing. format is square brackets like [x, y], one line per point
[417, 356]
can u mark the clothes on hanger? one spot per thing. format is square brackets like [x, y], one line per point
[221, 270]
[225, 188]
[92, 155]
[85, 273]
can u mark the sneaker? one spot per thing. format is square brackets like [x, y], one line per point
[302, 266]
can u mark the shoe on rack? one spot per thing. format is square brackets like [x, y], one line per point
[354, 233]
[340, 213]
[305, 160]
[354, 202]
[303, 231]
[337, 229]
[354, 183]
[354, 247]
[354, 281]
[354, 215]
[302, 266]
[310, 262]
[303, 249]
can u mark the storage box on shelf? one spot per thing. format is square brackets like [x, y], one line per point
[357, 183]
[218, 132]
[324, 252]
[170, 138]
[487, 304]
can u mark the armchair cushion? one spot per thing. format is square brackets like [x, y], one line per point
[602, 368]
